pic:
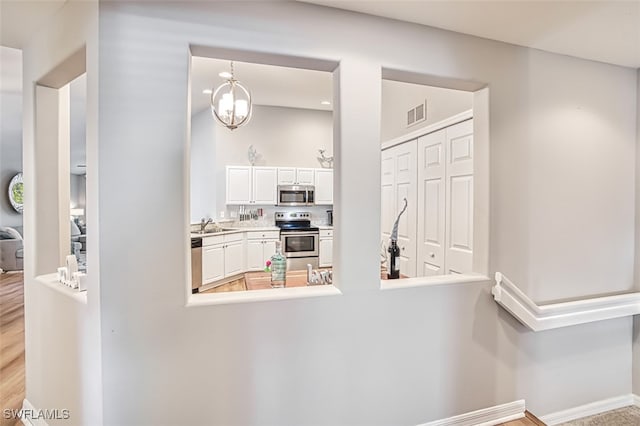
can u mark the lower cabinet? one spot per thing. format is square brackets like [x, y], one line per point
[260, 247]
[224, 258]
[212, 263]
[326, 248]
[233, 259]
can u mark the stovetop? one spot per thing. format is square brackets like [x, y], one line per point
[294, 221]
[296, 226]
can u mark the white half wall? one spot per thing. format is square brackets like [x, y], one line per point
[62, 335]
[563, 136]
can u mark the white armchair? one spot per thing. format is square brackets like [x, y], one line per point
[11, 250]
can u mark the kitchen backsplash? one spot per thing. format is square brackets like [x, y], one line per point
[231, 215]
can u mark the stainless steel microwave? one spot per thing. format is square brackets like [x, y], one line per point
[296, 195]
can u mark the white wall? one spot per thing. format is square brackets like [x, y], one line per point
[282, 136]
[62, 335]
[563, 136]
[10, 130]
[399, 97]
[203, 166]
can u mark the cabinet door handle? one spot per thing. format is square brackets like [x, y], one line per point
[432, 255]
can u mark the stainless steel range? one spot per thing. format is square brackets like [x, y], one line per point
[299, 239]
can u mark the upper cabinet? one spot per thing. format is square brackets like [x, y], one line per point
[251, 185]
[239, 184]
[295, 176]
[324, 186]
[265, 190]
[259, 185]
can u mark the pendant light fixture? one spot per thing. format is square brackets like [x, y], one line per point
[231, 103]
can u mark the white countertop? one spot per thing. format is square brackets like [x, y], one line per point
[236, 230]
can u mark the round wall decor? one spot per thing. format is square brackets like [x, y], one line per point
[16, 193]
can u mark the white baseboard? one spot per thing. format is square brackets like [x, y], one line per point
[485, 417]
[26, 421]
[590, 409]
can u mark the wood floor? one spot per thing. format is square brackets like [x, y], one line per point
[11, 343]
[528, 420]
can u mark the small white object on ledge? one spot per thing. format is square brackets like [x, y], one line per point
[70, 276]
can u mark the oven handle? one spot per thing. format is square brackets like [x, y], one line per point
[299, 234]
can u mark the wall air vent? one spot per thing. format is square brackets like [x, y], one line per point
[417, 114]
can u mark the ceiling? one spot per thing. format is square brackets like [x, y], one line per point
[269, 84]
[600, 30]
[605, 31]
[21, 18]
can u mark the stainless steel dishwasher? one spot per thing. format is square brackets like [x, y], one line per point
[196, 264]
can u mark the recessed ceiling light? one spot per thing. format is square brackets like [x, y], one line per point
[225, 74]
[325, 103]
[207, 91]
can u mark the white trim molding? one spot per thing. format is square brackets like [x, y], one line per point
[450, 121]
[563, 314]
[590, 409]
[485, 417]
[28, 414]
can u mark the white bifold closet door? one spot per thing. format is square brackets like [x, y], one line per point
[445, 201]
[399, 182]
[431, 204]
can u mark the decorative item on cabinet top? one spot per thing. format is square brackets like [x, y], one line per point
[325, 162]
[252, 155]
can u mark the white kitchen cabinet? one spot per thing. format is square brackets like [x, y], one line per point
[326, 248]
[251, 185]
[305, 176]
[239, 183]
[286, 175]
[265, 189]
[296, 176]
[212, 263]
[324, 186]
[222, 257]
[260, 247]
[255, 255]
[233, 258]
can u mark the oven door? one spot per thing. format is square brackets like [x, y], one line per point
[299, 243]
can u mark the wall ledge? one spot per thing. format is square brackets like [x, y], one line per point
[564, 314]
[51, 281]
[487, 416]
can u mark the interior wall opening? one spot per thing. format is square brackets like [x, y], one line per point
[265, 187]
[60, 180]
[430, 196]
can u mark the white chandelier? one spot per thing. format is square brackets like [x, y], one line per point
[231, 103]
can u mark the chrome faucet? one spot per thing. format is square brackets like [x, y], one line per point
[203, 224]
